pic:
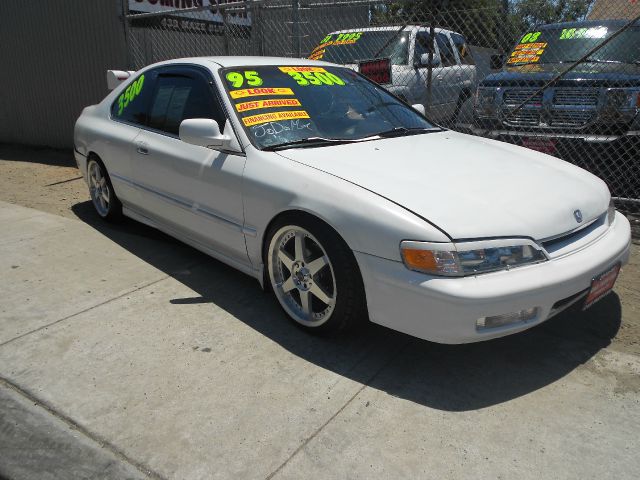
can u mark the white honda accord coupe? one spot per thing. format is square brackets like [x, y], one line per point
[348, 203]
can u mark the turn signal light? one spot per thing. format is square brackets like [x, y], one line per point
[419, 259]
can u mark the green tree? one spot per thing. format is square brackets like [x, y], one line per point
[528, 13]
[479, 20]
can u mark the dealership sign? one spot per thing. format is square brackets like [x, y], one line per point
[208, 20]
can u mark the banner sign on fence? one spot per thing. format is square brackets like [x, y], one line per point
[208, 21]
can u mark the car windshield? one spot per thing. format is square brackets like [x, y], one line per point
[344, 48]
[560, 45]
[279, 105]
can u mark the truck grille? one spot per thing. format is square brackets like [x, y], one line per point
[576, 96]
[525, 117]
[555, 108]
[516, 97]
[571, 118]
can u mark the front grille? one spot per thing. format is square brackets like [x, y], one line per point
[576, 97]
[561, 242]
[554, 108]
[524, 117]
[516, 97]
[571, 118]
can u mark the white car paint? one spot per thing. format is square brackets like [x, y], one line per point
[435, 188]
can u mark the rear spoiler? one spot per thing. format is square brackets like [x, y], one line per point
[116, 77]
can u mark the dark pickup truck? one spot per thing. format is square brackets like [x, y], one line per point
[590, 116]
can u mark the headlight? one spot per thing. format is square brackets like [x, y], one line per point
[469, 258]
[611, 212]
[621, 104]
[485, 104]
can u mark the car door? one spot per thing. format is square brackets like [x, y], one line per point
[128, 114]
[193, 190]
[467, 63]
[444, 81]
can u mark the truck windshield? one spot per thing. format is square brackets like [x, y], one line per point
[560, 45]
[284, 105]
[344, 48]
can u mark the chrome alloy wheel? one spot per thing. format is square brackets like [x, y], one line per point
[99, 189]
[302, 276]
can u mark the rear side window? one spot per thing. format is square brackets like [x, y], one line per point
[178, 97]
[131, 104]
[463, 49]
[447, 56]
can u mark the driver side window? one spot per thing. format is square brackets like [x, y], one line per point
[423, 44]
[179, 96]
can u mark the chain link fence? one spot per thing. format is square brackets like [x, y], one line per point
[558, 76]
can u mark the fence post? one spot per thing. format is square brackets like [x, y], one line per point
[432, 40]
[225, 38]
[256, 23]
[295, 27]
[127, 33]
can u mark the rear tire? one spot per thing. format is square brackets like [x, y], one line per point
[314, 276]
[103, 196]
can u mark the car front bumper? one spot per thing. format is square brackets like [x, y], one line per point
[445, 310]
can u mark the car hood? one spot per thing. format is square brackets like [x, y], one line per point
[588, 73]
[470, 187]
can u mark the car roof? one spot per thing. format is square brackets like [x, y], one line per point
[237, 61]
[587, 23]
[394, 28]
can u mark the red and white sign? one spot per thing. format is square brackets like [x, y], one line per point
[602, 285]
[378, 70]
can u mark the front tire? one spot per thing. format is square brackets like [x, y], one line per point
[103, 196]
[314, 276]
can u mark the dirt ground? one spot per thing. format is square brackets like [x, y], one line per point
[48, 180]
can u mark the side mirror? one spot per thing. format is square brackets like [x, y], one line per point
[203, 132]
[418, 107]
[424, 60]
[496, 62]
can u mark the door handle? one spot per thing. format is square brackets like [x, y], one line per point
[142, 148]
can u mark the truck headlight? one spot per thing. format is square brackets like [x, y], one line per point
[485, 103]
[469, 258]
[621, 104]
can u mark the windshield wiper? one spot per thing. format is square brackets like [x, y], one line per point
[597, 60]
[307, 142]
[403, 131]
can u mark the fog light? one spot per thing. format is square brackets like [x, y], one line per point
[507, 319]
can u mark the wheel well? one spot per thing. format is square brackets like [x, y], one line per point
[96, 157]
[296, 215]
[293, 215]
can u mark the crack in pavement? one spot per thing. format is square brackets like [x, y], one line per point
[400, 351]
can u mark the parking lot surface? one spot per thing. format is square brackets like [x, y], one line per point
[126, 354]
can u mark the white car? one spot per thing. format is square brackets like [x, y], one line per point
[346, 202]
